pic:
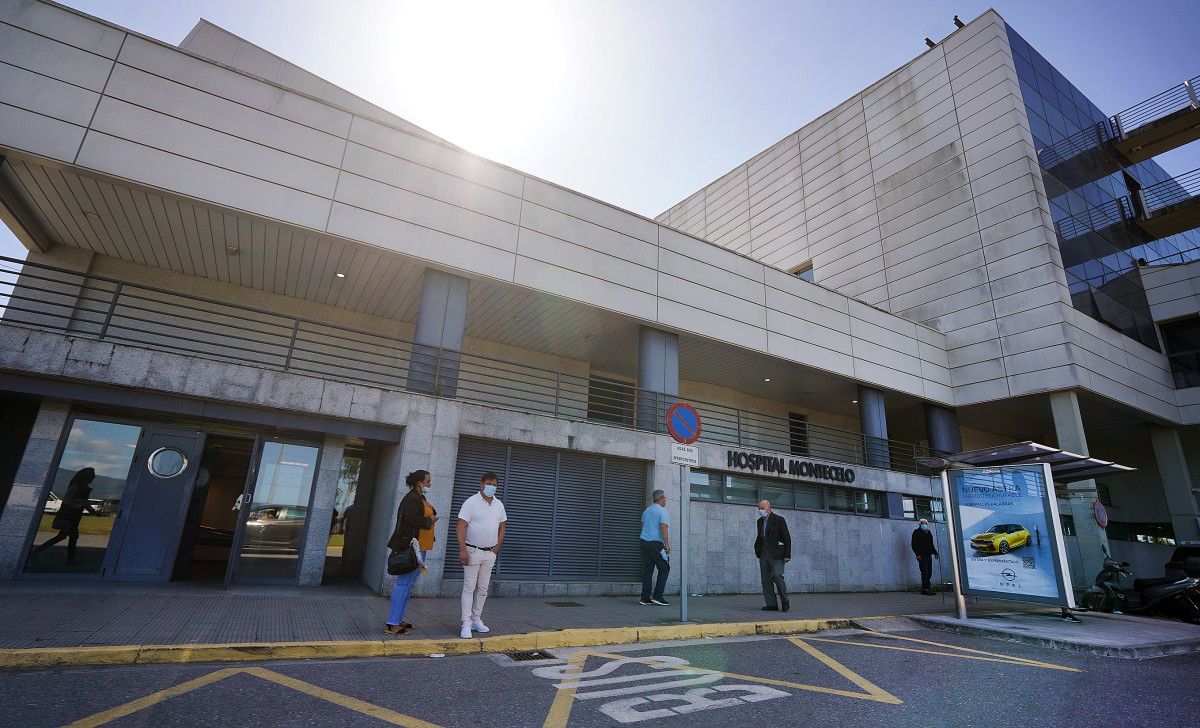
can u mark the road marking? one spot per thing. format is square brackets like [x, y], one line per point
[975, 654]
[345, 701]
[361, 706]
[573, 677]
[152, 699]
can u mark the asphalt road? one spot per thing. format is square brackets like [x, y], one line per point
[846, 678]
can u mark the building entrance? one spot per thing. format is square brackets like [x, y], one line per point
[207, 539]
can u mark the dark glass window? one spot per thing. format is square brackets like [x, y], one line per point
[741, 489]
[811, 497]
[706, 486]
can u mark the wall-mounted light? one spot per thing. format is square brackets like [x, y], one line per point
[767, 379]
[340, 275]
[854, 401]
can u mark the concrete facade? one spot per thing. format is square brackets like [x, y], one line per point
[922, 195]
[218, 172]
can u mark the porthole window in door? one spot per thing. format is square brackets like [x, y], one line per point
[166, 462]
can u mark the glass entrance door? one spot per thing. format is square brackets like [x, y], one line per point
[273, 512]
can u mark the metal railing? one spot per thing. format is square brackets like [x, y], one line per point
[1182, 96]
[111, 310]
[1171, 192]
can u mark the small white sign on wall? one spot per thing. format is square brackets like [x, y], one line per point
[685, 455]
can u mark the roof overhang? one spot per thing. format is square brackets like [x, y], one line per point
[1065, 466]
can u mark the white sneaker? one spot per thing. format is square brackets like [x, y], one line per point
[466, 632]
[480, 627]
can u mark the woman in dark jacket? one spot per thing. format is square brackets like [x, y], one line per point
[414, 517]
[74, 504]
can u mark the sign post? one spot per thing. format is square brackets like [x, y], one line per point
[683, 424]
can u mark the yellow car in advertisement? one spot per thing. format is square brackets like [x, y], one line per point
[1000, 539]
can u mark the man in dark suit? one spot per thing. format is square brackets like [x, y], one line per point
[773, 547]
[925, 550]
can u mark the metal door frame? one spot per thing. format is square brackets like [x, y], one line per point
[239, 535]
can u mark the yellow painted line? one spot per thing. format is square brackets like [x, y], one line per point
[564, 700]
[871, 689]
[872, 692]
[345, 701]
[1005, 660]
[133, 706]
[333, 649]
[1011, 658]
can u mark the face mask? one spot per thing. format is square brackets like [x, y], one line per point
[924, 526]
[489, 490]
[762, 513]
[425, 489]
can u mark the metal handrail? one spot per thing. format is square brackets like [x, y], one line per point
[109, 309]
[1181, 96]
[1171, 191]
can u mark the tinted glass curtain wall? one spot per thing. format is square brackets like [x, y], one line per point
[1091, 201]
[571, 516]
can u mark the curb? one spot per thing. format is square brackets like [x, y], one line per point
[256, 651]
[1137, 651]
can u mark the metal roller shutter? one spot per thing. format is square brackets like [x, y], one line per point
[624, 501]
[577, 517]
[571, 516]
[528, 497]
[475, 457]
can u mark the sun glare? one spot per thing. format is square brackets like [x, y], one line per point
[483, 74]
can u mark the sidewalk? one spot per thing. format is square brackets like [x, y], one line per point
[91, 623]
[76, 615]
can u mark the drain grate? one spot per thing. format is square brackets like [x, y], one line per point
[564, 604]
[525, 655]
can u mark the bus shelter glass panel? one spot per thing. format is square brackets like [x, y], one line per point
[278, 513]
[77, 517]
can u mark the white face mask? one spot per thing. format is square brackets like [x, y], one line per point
[924, 526]
[762, 513]
[426, 488]
[489, 490]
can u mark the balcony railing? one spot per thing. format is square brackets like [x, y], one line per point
[1171, 192]
[1174, 99]
[111, 310]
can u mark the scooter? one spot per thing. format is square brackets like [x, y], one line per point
[1165, 596]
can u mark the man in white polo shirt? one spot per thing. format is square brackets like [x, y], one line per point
[480, 533]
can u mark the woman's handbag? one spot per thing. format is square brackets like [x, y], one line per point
[402, 562]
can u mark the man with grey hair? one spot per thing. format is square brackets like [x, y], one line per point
[925, 550]
[773, 547]
[656, 545]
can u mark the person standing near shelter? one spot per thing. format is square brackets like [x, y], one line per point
[925, 550]
[656, 545]
[773, 547]
[480, 533]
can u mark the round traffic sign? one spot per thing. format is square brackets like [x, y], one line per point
[683, 423]
[1100, 513]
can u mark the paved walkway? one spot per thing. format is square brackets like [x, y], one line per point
[77, 615]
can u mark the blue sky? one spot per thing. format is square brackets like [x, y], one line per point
[640, 103]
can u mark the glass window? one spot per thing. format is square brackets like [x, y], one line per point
[868, 503]
[779, 493]
[805, 272]
[841, 500]
[77, 517]
[274, 531]
[347, 529]
[910, 507]
[706, 486]
[811, 497]
[740, 489]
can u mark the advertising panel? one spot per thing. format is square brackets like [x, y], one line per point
[1007, 532]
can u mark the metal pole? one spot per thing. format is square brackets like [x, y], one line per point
[685, 495]
[960, 603]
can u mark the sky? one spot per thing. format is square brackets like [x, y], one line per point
[641, 102]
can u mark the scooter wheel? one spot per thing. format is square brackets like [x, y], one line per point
[1093, 602]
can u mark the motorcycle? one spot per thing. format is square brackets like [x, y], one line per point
[1165, 596]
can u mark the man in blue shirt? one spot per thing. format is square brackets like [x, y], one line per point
[655, 547]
